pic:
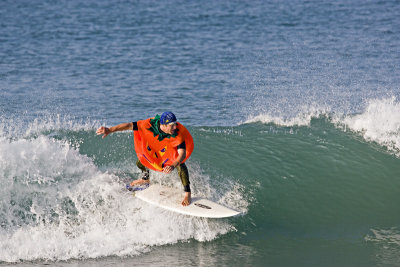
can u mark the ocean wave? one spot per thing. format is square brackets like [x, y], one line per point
[379, 122]
[56, 204]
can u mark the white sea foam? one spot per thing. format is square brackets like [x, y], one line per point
[303, 118]
[17, 127]
[57, 205]
[388, 236]
[387, 242]
[379, 122]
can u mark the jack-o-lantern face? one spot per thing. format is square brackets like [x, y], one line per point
[155, 158]
[155, 154]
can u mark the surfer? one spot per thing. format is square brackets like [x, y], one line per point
[161, 144]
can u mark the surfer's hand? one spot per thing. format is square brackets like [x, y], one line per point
[168, 169]
[187, 199]
[103, 131]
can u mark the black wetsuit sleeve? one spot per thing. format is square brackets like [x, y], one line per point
[182, 145]
[135, 126]
[186, 188]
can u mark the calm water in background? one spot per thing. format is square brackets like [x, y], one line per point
[292, 104]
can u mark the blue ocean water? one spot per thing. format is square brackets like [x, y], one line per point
[294, 109]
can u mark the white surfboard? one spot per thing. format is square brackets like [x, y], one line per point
[171, 198]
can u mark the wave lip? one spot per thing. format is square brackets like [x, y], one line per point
[379, 122]
[301, 119]
[15, 128]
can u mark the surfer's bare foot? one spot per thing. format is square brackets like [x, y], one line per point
[139, 182]
[186, 200]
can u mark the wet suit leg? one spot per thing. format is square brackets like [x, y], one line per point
[144, 170]
[184, 175]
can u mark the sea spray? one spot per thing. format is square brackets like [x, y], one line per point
[379, 122]
[302, 118]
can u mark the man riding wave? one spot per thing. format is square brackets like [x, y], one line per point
[161, 144]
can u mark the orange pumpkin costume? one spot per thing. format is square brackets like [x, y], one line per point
[155, 154]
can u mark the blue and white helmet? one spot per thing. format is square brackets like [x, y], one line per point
[167, 118]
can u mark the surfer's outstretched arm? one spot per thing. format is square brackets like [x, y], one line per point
[120, 127]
